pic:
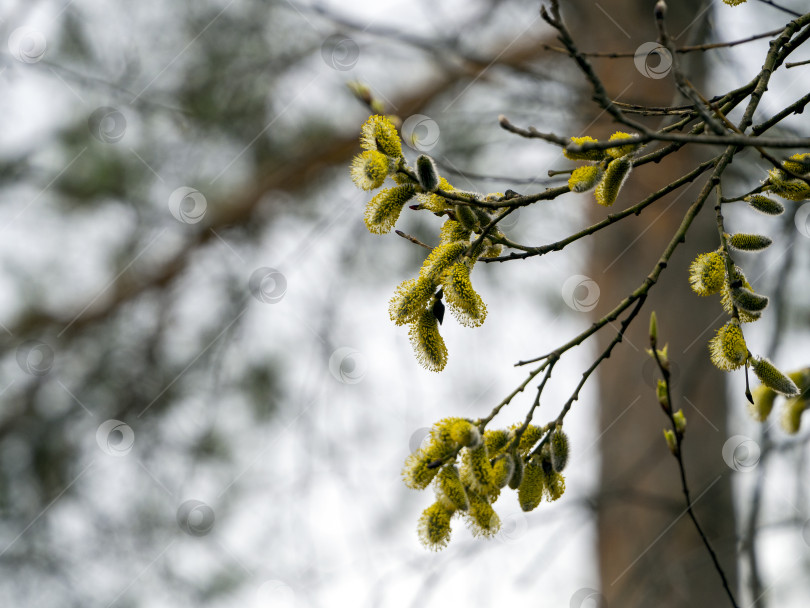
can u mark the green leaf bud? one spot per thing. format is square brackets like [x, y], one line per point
[680, 422]
[661, 393]
[672, 442]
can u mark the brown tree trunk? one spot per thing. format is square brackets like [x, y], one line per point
[649, 552]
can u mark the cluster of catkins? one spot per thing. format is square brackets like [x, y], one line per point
[488, 463]
[445, 274]
[712, 273]
[607, 169]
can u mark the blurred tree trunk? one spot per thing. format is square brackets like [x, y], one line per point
[649, 552]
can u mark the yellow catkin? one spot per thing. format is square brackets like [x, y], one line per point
[369, 169]
[441, 258]
[452, 231]
[620, 151]
[707, 273]
[555, 485]
[496, 441]
[608, 189]
[787, 187]
[427, 342]
[476, 471]
[410, 300]
[798, 163]
[464, 302]
[502, 470]
[585, 178]
[529, 438]
[379, 133]
[382, 211]
[481, 517]
[594, 155]
[434, 526]
[449, 489]
[727, 348]
[462, 431]
[530, 491]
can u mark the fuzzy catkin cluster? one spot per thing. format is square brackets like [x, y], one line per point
[468, 469]
[444, 279]
[714, 272]
[608, 170]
